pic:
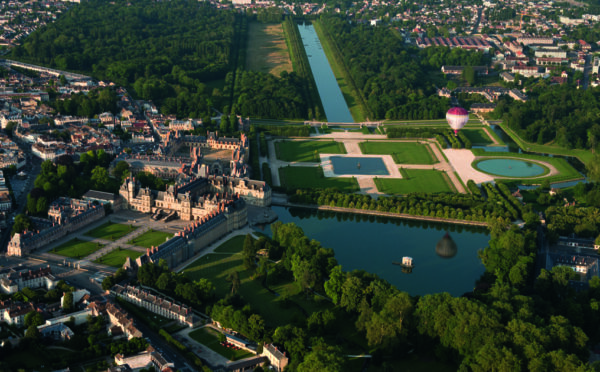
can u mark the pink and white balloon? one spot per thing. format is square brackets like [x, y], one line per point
[457, 117]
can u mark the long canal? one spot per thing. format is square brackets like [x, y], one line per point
[334, 104]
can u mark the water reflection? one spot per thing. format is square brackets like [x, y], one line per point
[446, 247]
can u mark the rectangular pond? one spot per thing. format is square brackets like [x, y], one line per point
[344, 165]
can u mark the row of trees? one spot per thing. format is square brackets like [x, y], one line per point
[558, 114]
[455, 206]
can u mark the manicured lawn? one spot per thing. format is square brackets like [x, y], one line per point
[267, 51]
[272, 307]
[117, 257]
[477, 136]
[307, 151]
[417, 180]
[402, 152]
[210, 338]
[233, 245]
[312, 177]
[151, 238]
[111, 231]
[77, 248]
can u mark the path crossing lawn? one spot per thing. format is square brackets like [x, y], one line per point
[111, 231]
[77, 248]
[312, 177]
[116, 258]
[416, 180]
[210, 338]
[307, 151]
[402, 152]
[150, 238]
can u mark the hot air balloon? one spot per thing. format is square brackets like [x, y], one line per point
[446, 247]
[457, 117]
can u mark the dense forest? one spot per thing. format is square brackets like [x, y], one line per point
[185, 56]
[394, 79]
[558, 114]
[161, 49]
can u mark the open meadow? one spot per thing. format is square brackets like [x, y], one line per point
[267, 51]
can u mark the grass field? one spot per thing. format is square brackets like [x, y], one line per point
[117, 257]
[209, 338]
[151, 238]
[77, 248]
[477, 137]
[350, 96]
[111, 231]
[307, 151]
[267, 51]
[402, 152]
[417, 180]
[233, 245]
[312, 177]
[584, 155]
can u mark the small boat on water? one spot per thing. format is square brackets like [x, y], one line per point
[406, 262]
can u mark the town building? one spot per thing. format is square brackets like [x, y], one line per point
[455, 42]
[458, 70]
[529, 40]
[527, 71]
[121, 319]
[149, 359]
[58, 332]
[64, 216]
[104, 198]
[277, 359]
[14, 312]
[14, 279]
[157, 304]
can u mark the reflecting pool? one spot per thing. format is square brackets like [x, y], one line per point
[343, 165]
[510, 167]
